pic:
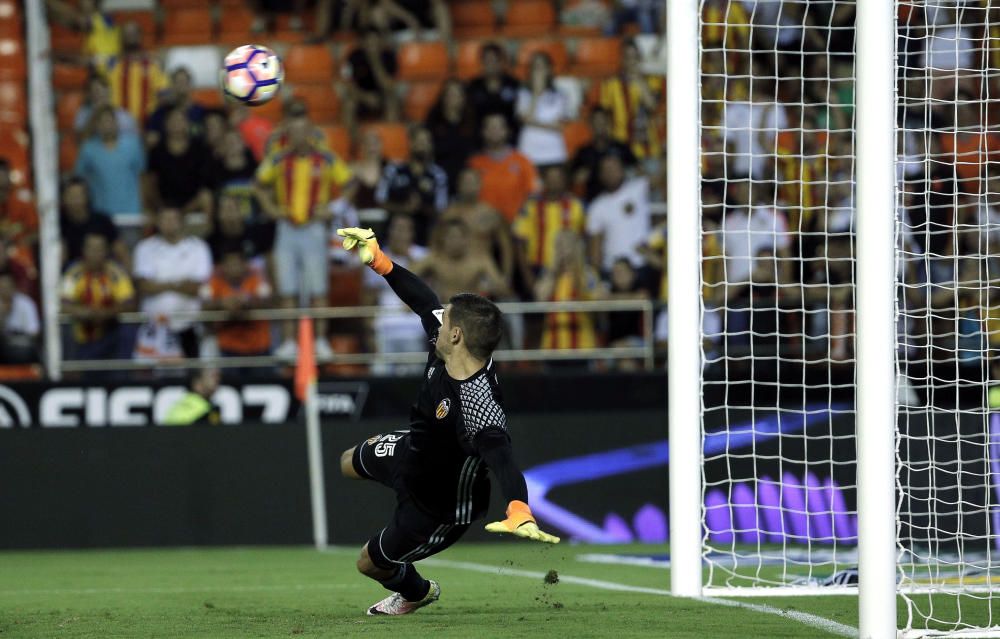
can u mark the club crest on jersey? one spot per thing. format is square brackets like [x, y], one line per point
[442, 409]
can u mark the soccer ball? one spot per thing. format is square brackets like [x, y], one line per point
[251, 74]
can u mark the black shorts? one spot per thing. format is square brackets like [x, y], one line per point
[412, 534]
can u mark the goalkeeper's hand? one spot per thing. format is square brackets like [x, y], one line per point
[520, 522]
[368, 248]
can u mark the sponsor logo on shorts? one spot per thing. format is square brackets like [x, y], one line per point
[442, 409]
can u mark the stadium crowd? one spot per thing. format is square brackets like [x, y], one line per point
[527, 178]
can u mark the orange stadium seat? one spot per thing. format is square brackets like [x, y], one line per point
[423, 61]
[187, 26]
[64, 39]
[283, 31]
[472, 18]
[420, 97]
[12, 65]
[554, 48]
[309, 64]
[270, 110]
[11, 27]
[210, 97]
[338, 139]
[529, 19]
[596, 57]
[576, 134]
[321, 100]
[146, 21]
[236, 27]
[68, 77]
[67, 153]
[20, 372]
[395, 143]
[67, 105]
[467, 63]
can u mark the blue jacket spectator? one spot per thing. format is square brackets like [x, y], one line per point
[112, 164]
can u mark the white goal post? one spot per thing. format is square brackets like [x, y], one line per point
[834, 186]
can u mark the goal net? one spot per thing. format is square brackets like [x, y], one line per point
[947, 246]
[779, 468]
[778, 296]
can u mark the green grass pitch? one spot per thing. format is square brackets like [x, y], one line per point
[297, 592]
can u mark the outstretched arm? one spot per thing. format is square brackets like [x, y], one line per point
[410, 288]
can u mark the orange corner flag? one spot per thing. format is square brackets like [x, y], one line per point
[305, 368]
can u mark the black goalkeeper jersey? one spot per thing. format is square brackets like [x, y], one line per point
[441, 468]
[458, 428]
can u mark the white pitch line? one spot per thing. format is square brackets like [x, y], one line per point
[814, 621]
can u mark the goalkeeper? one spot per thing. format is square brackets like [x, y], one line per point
[458, 430]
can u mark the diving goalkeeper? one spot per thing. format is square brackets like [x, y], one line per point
[458, 430]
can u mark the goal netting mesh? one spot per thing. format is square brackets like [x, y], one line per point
[947, 247]
[778, 295]
[778, 312]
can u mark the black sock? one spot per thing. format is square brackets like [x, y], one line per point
[407, 582]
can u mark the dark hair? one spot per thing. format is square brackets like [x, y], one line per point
[4, 164]
[600, 110]
[550, 81]
[480, 320]
[493, 47]
[6, 272]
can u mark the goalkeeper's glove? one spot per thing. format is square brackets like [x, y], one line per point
[368, 249]
[520, 522]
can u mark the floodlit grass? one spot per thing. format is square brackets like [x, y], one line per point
[296, 592]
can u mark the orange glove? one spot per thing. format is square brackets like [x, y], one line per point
[521, 522]
[368, 248]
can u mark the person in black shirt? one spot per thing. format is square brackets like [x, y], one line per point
[77, 220]
[458, 430]
[417, 188]
[588, 158]
[232, 228]
[371, 82]
[178, 167]
[454, 127]
[495, 91]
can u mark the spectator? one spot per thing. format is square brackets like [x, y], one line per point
[24, 280]
[176, 97]
[266, 10]
[586, 163]
[384, 16]
[647, 14]
[625, 328]
[544, 217]
[370, 87]
[489, 233]
[495, 91]
[135, 77]
[99, 95]
[178, 167]
[231, 173]
[19, 323]
[195, 407]
[304, 180]
[542, 110]
[569, 279]
[170, 268]
[292, 109]
[112, 164]
[399, 332]
[18, 222]
[618, 220]
[233, 229]
[253, 128]
[77, 220]
[453, 126]
[236, 287]
[747, 230]
[751, 128]
[453, 268]
[94, 291]
[508, 176]
[215, 126]
[632, 99]
[417, 188]
[102, 39]
[368, 170]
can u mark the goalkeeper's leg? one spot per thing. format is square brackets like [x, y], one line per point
[388, 558]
